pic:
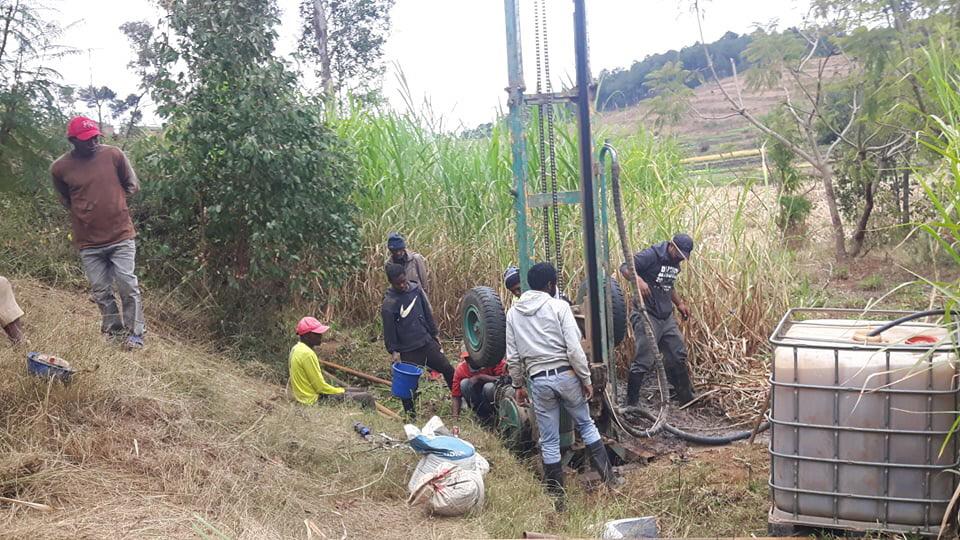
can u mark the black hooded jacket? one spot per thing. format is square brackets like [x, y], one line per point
[407, 319]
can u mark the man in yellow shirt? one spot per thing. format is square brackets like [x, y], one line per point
[10, 313]
[306, 379]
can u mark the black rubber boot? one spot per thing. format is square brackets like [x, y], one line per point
[409, 409]
[553, 482]
[682, 387]
[634, 384]
[601, 463]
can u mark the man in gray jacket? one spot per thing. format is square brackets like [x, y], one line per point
[543, 349]
[413, 263]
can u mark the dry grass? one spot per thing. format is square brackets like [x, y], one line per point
[157, 443]
[176, 442]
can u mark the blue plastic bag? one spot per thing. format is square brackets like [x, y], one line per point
[442, 446]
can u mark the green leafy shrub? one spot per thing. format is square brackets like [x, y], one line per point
[873, 282]
[249, 198]
[794, 210]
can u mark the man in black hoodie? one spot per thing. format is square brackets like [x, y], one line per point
[657, 269]
[409, 331]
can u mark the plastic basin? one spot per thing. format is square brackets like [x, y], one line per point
[40, 368]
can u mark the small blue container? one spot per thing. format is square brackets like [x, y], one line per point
[406, 379]
[36, 365]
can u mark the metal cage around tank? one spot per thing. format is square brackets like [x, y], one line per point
[794, 502]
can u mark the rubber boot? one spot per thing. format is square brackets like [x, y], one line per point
[634, 384]
[553, 482]
[409, 409]
[682, 387]
[601, 463]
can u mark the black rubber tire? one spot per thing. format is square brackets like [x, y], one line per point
[619, 308]
[492, 346]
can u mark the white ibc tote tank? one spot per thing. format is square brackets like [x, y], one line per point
[858, 423]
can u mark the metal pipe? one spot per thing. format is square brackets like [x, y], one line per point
[518, 140]
[586, 174]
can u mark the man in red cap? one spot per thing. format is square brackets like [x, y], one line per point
[93, 181]
[306, 379]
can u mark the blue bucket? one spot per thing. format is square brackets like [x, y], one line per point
[406, 378]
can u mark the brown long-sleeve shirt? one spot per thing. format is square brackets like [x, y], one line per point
[95, 190]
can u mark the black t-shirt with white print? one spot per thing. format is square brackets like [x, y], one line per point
[654, 266]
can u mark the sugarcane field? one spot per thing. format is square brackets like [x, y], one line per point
[394, 269]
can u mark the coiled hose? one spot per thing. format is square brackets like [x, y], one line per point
[660, 419]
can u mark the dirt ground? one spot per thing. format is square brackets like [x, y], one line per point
[705, 491]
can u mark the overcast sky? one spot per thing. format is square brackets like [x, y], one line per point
[452, 52]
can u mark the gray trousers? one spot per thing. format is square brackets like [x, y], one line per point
[670, 343]
[111, 265]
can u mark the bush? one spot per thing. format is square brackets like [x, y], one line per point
[250, 195]
[794, 210]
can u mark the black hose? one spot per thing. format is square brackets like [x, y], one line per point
[644, 318]
[908, 318]
[708, 440]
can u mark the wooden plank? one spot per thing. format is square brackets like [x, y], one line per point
[354, 372]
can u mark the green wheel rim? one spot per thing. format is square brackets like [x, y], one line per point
[473, 328]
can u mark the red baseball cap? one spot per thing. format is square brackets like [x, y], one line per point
[82, 128]
[309, 325]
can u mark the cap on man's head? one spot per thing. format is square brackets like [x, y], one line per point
[511, 277]
[395, 241]
[684, 243]
[82, 128]
[309, 325]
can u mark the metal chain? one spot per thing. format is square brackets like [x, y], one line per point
[551, 138]
[545, 225]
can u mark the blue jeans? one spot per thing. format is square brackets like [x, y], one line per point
[548, 393]
[480, 397]
[109, 266]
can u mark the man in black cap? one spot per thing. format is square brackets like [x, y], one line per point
[413, 263]
[511, 280]
[657, 269]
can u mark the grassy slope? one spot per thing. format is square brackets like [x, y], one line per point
[176, 440]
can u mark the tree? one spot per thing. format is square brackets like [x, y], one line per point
[146, 64]
[129, 107]
[97, 98]
[671, 95]
[624, 87]
[852, 114]
[30, 119]
[346, 38]
[888, 38]
[252, 192]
